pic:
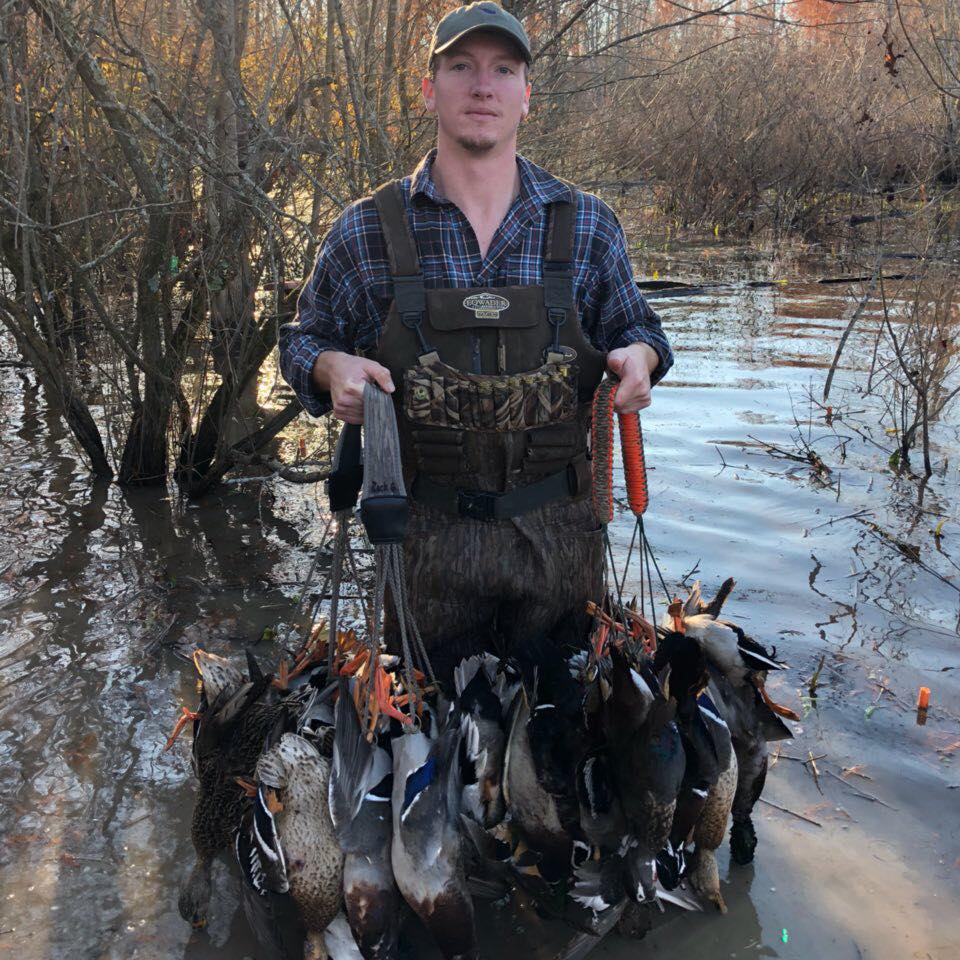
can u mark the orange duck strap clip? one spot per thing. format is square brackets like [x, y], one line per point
[631, 444]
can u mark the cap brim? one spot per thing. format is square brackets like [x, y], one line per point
[490, 28]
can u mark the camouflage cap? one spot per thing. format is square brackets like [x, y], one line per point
[485, 15]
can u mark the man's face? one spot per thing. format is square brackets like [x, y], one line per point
[479, 91]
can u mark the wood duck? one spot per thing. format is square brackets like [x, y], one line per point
[287, 843]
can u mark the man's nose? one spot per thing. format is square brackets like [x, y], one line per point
[482, 83]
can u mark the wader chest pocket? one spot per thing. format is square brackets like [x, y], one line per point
[550, 448]
[439, 451]
[436, 394]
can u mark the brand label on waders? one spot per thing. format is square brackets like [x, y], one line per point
[486, 306]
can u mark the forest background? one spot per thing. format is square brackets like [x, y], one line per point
[168, 170]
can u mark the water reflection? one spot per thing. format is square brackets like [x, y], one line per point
[99, 589]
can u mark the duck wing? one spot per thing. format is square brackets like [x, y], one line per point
[754, 654]
[273, 918]
[426, 793]
[599, 885]
[258, 848]
[601, 815]
[482, 742]
[358, 766]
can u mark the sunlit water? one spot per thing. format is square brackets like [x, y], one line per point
[98, 586]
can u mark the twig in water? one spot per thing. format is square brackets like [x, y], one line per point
[793, 813]
[811, 764]
[722, 460]
[849, 516]
[815, 679]
[861, 793]
[690, 573]
[786, 756]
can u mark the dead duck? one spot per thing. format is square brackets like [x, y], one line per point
[646, 760]
[426, 845]
[237, 709]
[539, 762]
[616, 870]
[361, 784]
[710, 774]
[738, 666]
[287, 843]
[478, 683]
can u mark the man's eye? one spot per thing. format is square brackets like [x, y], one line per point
[505, 69]
[457, 66]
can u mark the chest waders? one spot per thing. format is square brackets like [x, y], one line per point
[493, 394]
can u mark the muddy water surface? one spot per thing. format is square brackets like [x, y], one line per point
[99, 589]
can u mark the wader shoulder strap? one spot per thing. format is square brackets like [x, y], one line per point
[409, 292]
[401, 247]
[560, 228]
[558, 264]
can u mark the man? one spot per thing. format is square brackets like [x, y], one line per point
[488, 297]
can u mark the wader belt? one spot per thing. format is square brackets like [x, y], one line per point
[483, 505]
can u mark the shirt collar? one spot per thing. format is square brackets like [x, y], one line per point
[536, 184]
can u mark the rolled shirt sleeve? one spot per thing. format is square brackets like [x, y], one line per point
[615, 313]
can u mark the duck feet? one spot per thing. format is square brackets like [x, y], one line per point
[743, 841]
[705, 877]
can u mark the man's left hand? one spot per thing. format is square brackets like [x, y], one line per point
[633, 365]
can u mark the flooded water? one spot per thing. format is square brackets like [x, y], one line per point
[99, 588]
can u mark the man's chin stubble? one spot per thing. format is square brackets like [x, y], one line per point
[476, 144]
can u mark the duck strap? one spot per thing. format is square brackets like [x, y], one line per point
[601, 448]
[634, 462]
[631, 443]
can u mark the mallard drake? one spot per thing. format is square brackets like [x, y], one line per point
[646, 760]
[361, 784]
[546, 740]
[237, 710]
[706, 792]
[477, 682]
[426, 850]
[538, 754]
[617, 868]
[287, 843]
[738, 667]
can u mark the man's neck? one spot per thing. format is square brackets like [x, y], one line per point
[477, 183]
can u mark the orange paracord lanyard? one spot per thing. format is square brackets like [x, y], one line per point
[631, 444]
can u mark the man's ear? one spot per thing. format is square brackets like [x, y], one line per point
[429, 100]
[526, 102]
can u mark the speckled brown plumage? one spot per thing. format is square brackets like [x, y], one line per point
[708, 835]
[314, 861]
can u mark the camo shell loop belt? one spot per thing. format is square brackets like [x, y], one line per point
[436, 394]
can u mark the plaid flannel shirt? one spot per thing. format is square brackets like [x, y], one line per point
[344, 304]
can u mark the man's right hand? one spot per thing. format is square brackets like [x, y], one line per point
[343, 376]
